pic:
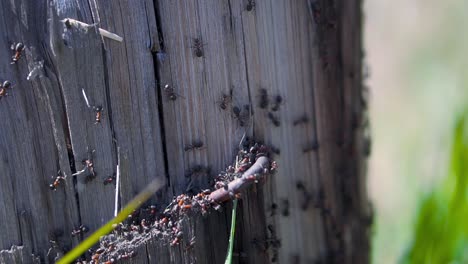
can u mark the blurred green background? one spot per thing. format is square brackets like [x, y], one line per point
[417, 53]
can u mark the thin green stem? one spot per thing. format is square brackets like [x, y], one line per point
[231, 236]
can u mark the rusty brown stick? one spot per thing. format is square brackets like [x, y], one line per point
[256, 171]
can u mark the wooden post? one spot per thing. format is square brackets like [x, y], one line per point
[287, 73]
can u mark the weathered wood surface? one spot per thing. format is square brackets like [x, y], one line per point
[309, 52]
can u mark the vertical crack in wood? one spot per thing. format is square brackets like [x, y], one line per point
[249, 91]
[56, 45]
[109, 105]
[159, 95]
[158, 24]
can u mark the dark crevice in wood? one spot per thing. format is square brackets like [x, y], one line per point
[20, 230]
[67, 136]
[247, 77]
[90, 11]
[159, 94]
[152, 46]
[158, 24]
[231, 22]
[148, 255]
[109, 105]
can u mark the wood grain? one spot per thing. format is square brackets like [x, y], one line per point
[314, 209]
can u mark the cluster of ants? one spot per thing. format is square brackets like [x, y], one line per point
[243, 113]
[168, 225]
[6, 85]
[88, 171]
[264, 103]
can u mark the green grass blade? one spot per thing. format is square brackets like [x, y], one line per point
[142, 197]
[233, 230]
[441, 232]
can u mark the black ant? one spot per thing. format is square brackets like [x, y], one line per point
[198, 170]
[225, 100]
[312, 146]
[250, 5]
[241, 116]
[264, 101]
[236, 111]
[170, 93]
[53, 186]
[98, 111]
[277, 103]
[301, 120]
[274, 207]
[191, 244]
[307, 197]
[197, 144]
[198, 47]
[109, 179]
[274, 119]
[3, 88]
[80, 230]
[285, 205]
[18, 48]
[275, 150]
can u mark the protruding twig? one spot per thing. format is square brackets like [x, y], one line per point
[255, 172]
[103, 32]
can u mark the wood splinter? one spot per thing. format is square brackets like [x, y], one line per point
[72, 22]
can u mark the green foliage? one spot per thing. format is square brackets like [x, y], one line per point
[441, 231]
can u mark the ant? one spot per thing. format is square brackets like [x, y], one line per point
[301, 120]
[96, 108]
[312, 146]
[198, 170]
[18, 48]
[98, 111]
[3, 88]
[241, 116]
[236, 111]
[307, 197]
[170, 94]
[285, 205]
[191, 244]
[225, 100]
[88, 162]
[275, 150]
[264, 101]
[274, 119]
[277, 103]
[109, 179]
[250, 5]
[197, 47]
[80, 230]
[274, 207]
[198, 144]
[53, 186]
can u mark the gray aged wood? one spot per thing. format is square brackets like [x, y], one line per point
[307, 52]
